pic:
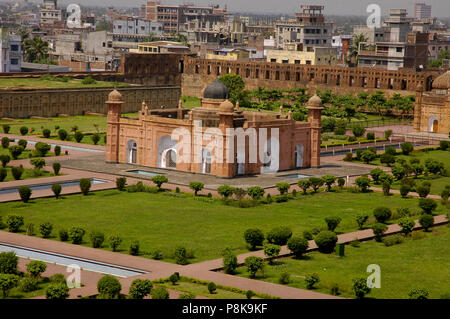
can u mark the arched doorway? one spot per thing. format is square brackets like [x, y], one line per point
[131, 152]
[206, 162]
[240, 162]
[299, 155]
[167, 153]
[433, 124]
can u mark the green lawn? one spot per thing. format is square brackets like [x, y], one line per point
[28, 173]
[28, 153]
[201, 290]
[16, 293]
[162, 222]
[42, 83]
[413, 263]
[87, 139]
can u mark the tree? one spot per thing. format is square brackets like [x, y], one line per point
[254, 264]
[358, 130]
[181, 256]
[42, 148]
[283, 188]
[56, 168]
[76, 235]
[56, 189]
[398, 172]
[407, 225]
[368, 156]
[311, 280]
[329, 180]
[426, 221]
[376, 173]
[230, 262]
[427, 205]
[418, 293]
[382, 214]
[271, 251]
[109, 287]
[62, 134]
[333, 222]
[378, 230]
[354, 48]
[304, 184]
[114, 242]
[8, 263]
[254, 237]
[363, 182]
[279, 235]
[15, 151]
[78, 136]
[235, 85]
[298, 246]
[159, 293]
[85, 185]
[95, 138]
[97, 238]
[377, 103]
[404, 190]
[36, 268]
[46, 229]
[5, 159]
[25, 193]
[387, 159]
[140, 288]
[326, 241]
[14, 222]
[255, 192]
[57, 291]
[225, 191]
[361, 219]
[121, 182]
[8, 282]
[35, 49]
[196, 187]
[212, 288]
[159, 180]
[360, 287]
[316, 183]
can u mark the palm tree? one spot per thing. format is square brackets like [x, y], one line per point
[354, 48]
[35, 49]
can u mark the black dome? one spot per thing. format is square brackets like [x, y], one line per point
[217, 91]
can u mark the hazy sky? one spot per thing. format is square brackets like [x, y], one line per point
[440, 8]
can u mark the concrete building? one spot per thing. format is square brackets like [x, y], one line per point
[161, 47]
[229, 54]
[137, 26]
[308, 56]
[432, 109]
[309, 29]
[149, 140]
[342, 44]
[10, 52]
[422, 11]
[49, 13]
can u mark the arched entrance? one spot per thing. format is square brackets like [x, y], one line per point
[131, 152]
[206, 162]
[240, 162]
[167, 153]
[433, 124]
[299, 155]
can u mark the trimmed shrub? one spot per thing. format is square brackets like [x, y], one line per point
[5, 159]
[8, 282]
[382, 214]
[361, 219]
[360, 288]
[341, 182]
[249, 294]
[180, 256]
[298, 246]
[159, 293]
[407, 148]
[271, 251]
[423, 190]
[159, 180]
[387, 134]
[134, 248]
[304, 184]
[284, 278]
[97, 238]
[57, 291]
[56, 189]
[358, 130]
[42, 149]
[196, 187]
[14, 222]
[426, 221]
[25, 193]
[38, 163]
[8, 263]
[46, 133]
[363, 183]
[279, 235]
[348, 157]
[230, 262]
[56, 168]
[378, 230]
[76, 235]
[368, 156]
[23, 130]
[326, 241]
[78, 136]
[407, 225]
[212, 288]
[254, 237]
[114, 242]
[57, 150]
[62, 134]
[108, 287]
[333, 222]
[393, 240]
[225, 191]
[334, 289]
[329, 180]
[375, 174]
[63, 235]
[3, 174]
[23, 143]
[386, 188]
[15, 151]
[316, 183]
[36, 267]
[311, 280]
[418, 293]
[427, 205]
[444, 145]
[404, 190]
[387, 159]
[255, 192]
[121, 183]
[28, 284]
[95, 138]
[370, 136]
[283, 188]
[6, 128]
[5, 142]
[140, 288]
[254, 264]
[46, 229]
[85, 185]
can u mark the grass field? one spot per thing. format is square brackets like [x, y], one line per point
[27, 174]
[413, 263]
[162, 222]
[43, 83]
[25, 154]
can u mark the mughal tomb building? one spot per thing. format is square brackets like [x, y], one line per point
[217, 138]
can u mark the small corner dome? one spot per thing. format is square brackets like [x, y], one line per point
[315, 101]
[442, 82]
[226, 107]
[216, 90]
[115, 96]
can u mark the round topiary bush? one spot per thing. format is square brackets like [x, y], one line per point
[25, 193]
[78, 136]
[76, 235]
[109, 287]
[254, 237]
[378, 230]
[23, 130]
[279, 235]
[298, 246]
[46, 133]
[333, 222]
[56, 189]
[5, 142]
[428, 205]
[426, 221]
[57, 150]
[382, 214]
[140, 288]
[85, 185]
[97, 238]
[56, 168]
[159, 293]
[180, 256]
[212, 288]
[62, 134]
[407, 148]
[57, 291]
[326, 241]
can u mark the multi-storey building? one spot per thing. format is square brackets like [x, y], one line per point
[309, 29]
[422, 11]
[309, 55]
[173, 16]
[137, 26]
[10, 52]
[49, 13]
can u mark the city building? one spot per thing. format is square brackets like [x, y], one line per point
[229, 54]
[160, 47]
[49, 13]
[10, 52]
[422, 11]
[310, 56]
[309, 29]
[342, 44]
[432, 109]
[136, 26]
[149, 140]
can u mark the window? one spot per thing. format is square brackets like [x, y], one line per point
[399, 49]
[15, 61]
[308, 62]
[297, 62]
[14, 47]
[273, 60]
